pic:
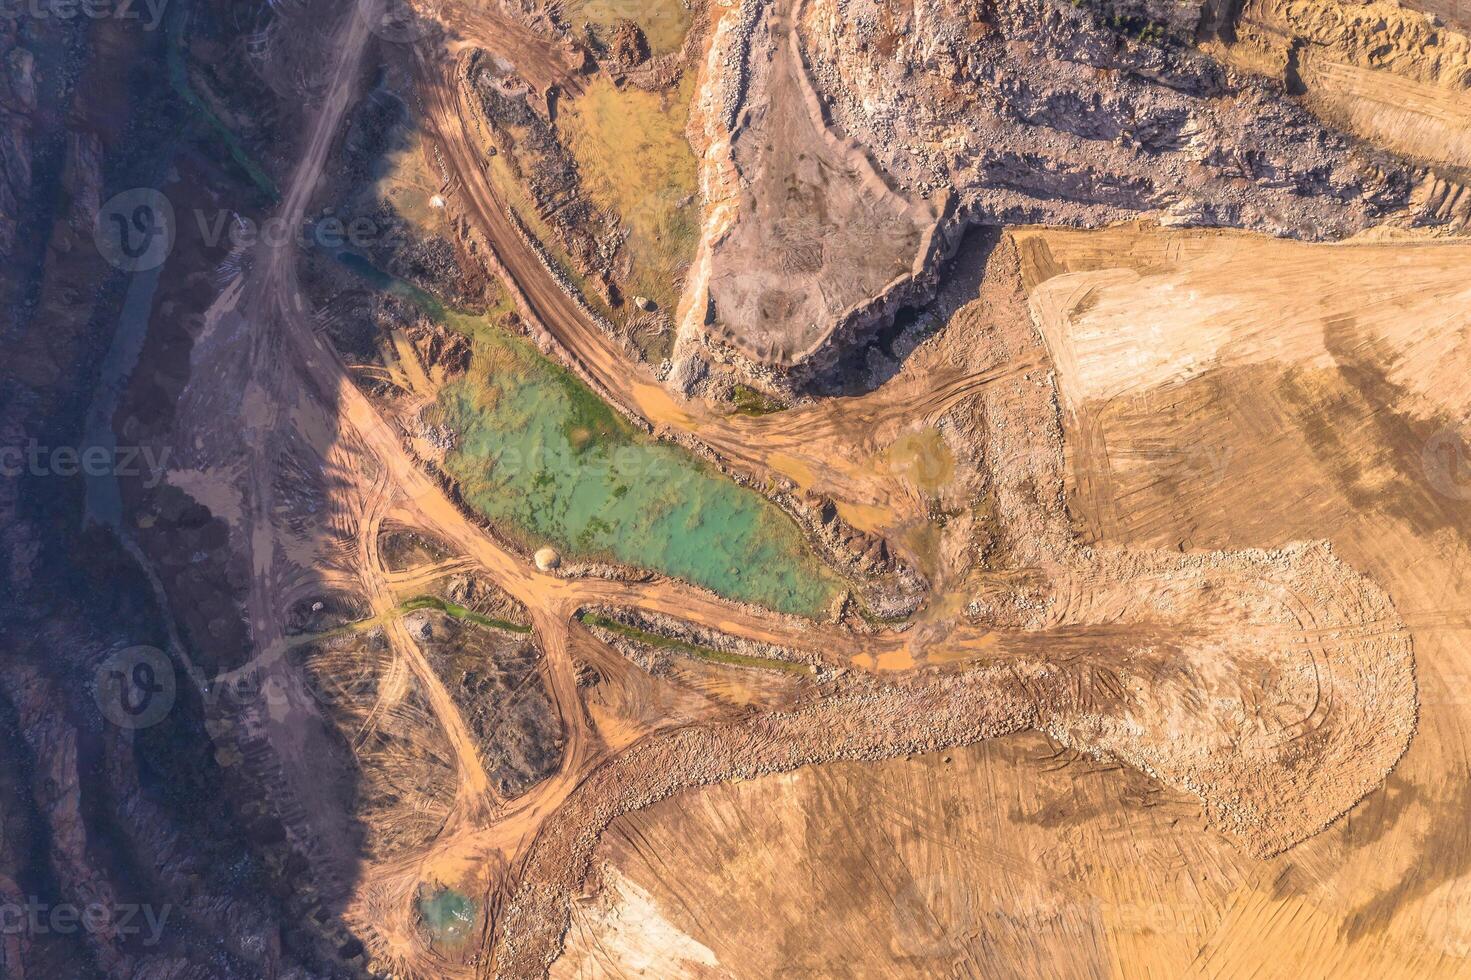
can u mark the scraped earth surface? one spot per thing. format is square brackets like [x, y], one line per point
[1146, 505]
[820, 235]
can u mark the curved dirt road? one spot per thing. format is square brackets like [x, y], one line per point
[647, 735]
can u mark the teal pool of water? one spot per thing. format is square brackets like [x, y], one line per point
[449, 915]
[361, 267]
[539, 451]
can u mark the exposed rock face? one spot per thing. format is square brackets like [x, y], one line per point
[1390, 75]
[1026, 111]
[1035, 111]
[821, 234]
[887, 586]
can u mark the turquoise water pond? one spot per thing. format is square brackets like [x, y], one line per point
[449, 915]
[539, 451]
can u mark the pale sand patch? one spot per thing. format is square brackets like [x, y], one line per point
[1149, 309]
[623, 932]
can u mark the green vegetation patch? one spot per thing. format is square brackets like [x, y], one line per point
[703, 653]
[460, 612]
[633, 159]
[750, 401]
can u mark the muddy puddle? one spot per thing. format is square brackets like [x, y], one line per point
[448, 915]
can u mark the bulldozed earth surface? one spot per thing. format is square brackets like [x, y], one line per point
[995, 507]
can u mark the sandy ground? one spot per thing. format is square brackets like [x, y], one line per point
[1385, 72]
[1261, 672]
[1360, 444]
[1257, 408]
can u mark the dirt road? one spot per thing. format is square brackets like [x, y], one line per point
[1087, 666]
[833, 448]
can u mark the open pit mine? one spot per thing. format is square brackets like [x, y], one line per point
[735, 489]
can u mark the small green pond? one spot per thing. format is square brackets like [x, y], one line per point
[546, 459]
[538, 451]
[448, 915]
